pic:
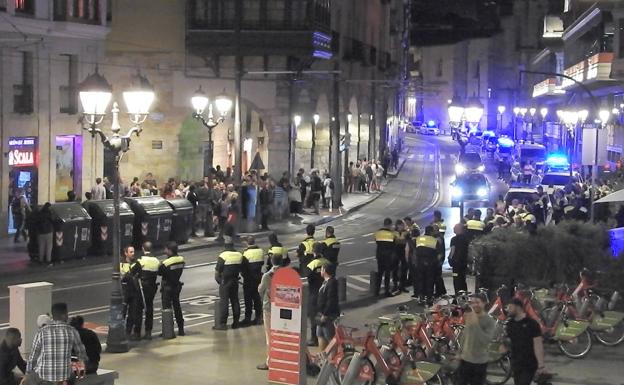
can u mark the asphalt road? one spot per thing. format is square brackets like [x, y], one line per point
[421, 186]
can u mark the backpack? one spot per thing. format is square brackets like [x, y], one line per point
[331, 184]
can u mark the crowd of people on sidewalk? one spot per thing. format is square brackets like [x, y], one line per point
[62, 351]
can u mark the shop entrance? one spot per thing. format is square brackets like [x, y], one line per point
[23, 162]
[68, 170]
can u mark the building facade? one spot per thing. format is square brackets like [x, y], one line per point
[47, 48]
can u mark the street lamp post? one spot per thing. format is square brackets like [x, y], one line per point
[501, 111]
[516, 112]
[543, 113]
[95, 95]
[346, 151]
[456, 114]
[474, 111]
[199, 102]
[532, 111]
[315, 119]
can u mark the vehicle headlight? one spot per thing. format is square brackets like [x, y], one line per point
[460, 169]
[482, 192]
[457, 192]
[481, 168]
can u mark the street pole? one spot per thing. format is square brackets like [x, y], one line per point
[238, 132]
[592, 215]
[359, 136]
[116, 339]
[335, 141]
[210, 154]
[313, 144]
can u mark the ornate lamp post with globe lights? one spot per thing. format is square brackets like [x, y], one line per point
[95, 96]
[200, 101]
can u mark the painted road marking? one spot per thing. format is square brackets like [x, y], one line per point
[355, 287]
[361, 278]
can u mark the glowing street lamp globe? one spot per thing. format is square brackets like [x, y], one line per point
[199, 101]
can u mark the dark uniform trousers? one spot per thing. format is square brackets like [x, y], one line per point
[253, 259]
[171, 270]
[385, 255]
[426, 251]
[459, 280]
[132, 298]
[227, 271]
[148, 275]
[400, 266]
[315, 281]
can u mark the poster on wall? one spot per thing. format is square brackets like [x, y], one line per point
[64, 167]
[22, 152]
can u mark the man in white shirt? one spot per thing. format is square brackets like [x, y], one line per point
[98, 192]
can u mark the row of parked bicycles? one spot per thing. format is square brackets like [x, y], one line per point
[422, 348]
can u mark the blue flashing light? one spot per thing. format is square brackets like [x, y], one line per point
[489, 133]
[555, 160]
[505, 142]
[431, 123]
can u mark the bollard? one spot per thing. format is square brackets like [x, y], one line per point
[374, 276]
[342, 289]
[167, 324]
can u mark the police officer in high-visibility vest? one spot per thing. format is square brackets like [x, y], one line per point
[438, 282]
[253, 260]
[171, 270]
[399, 263]
[315, 281]
[147, 271]
[410, 225]
[384, 238]
[131, 294]
[416, 266]
[475, 227]
[276, 249]
[332, 246]
[427, 253]
[229, 266]
[438, 222]
[305, 252]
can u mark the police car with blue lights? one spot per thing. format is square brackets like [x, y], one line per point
[430, 128]
[470, 187]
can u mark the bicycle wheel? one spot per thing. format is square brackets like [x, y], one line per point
[612, 336]
[436, 380]
[366, 376]
[576, 347]
[499, 371]
[384, 332]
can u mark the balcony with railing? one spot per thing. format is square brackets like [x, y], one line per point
[269, 26]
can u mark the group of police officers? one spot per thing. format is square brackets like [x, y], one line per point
[409, 257]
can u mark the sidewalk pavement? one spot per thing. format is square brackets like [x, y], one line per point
[14, 256]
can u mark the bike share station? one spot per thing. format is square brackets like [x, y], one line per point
[287, 336]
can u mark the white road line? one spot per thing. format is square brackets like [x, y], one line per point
[360, 279]
[350, 263]
[370, 242]
[346, 240]
[355, 287]
[367, 235]
[358, 263]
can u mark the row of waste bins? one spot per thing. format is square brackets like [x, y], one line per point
[87, 228]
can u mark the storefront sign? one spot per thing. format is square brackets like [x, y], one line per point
[286, 350]
[22, 152]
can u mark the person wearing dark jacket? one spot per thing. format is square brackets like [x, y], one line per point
[227, 271]
[277, 249]
[10, 357]
[191, 196]
[327, 305]
[315, 281]
[264, 200]
[251, 270]
[91, 342]
[45, 229]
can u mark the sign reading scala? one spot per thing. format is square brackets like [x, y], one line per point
[286, 349]
[22, 152]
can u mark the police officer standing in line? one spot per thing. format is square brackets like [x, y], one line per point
[474, 225]
[384, 238]
[253, 260]
[399, 265]
[147, 271]
[305, 252]
[171, 270]
[332, 246]
[315, 281]
[228, 268]
[438, 281]
[276, 249]
[131, 294]
[415, 265]
[427, 254]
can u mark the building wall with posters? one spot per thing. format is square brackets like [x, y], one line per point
[48, 47]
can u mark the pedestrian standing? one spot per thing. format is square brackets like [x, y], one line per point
[10, 357]
[384, 238]
[399, 263]
[131, 294]
[20, 209]
[438, 280]
[227, 271]
[349, 178]
[328, 305]
[54, 344]
[253, 260]
[328, 187]
[315, 281]
[146, 271]
[91, 342]
[458, 258]
[265, 202]
[98, 192]
[315, 190]
[526, 344]
[478, 332]
[45, 237]
[171, 270]
[191, 196]
[265, 293]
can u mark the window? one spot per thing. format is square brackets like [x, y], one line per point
[25, 6]
[23, 91]
[77, 10]
[439, 69]
[68, 90]
[251, 13]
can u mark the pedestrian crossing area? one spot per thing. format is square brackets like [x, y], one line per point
[431, 157]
